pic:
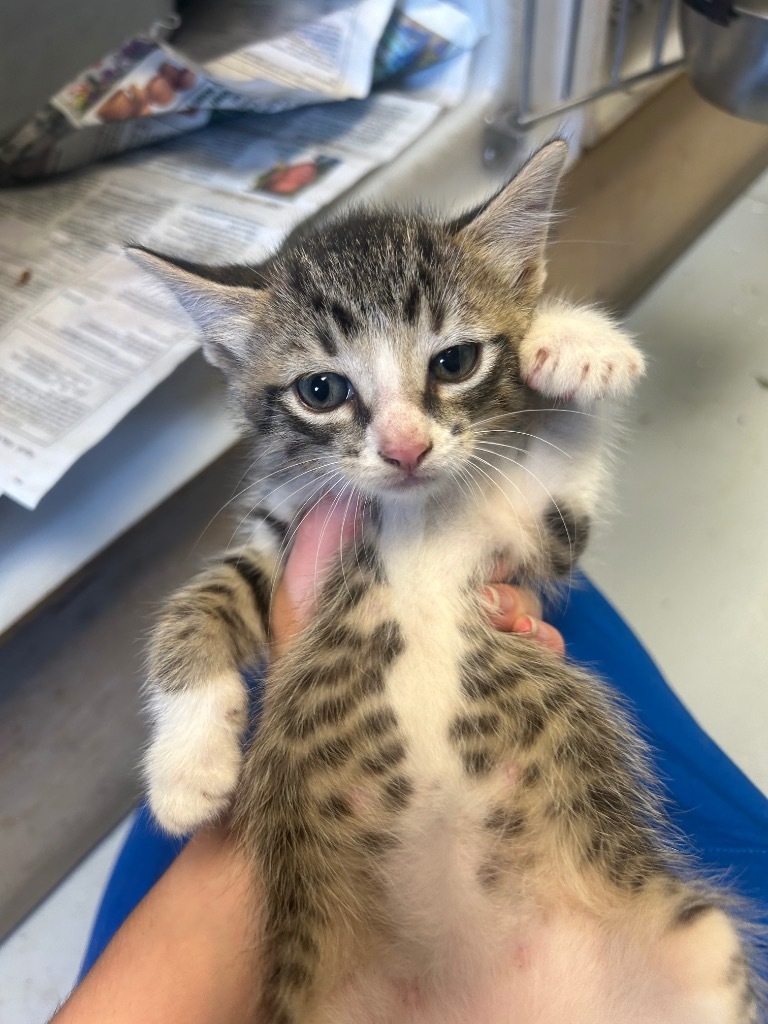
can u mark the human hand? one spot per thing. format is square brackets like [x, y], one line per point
[517, 610]
[320, 537]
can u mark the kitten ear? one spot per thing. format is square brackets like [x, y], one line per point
[223, 301]
[511, 229]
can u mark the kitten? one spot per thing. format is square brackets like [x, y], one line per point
[451, 823]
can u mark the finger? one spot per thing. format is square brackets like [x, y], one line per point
[516, 610]
[541, 632]
[505, 604]
[318, 544]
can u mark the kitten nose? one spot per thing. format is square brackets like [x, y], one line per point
[405, 454]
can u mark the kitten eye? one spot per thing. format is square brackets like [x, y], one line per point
[455, 363]
[323, 391]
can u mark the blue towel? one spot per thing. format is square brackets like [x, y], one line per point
[722, 814]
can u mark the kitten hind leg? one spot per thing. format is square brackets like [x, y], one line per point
[685, 961]
[703, 956]
[197, 700]
[313, 932]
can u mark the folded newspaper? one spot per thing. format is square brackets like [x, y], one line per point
[81, 340]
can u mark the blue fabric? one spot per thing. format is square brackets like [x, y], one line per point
[722, 814]
[146, 854]
[711, 801]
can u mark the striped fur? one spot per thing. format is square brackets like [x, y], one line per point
[449, 823]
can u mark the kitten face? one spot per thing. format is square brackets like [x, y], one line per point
[383, 359]
[373, 352]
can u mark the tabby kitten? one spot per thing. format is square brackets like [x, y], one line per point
[451, 824]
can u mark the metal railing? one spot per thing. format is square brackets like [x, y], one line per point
[513, 122]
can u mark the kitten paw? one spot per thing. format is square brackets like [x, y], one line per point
[579, 355]
[193, 762]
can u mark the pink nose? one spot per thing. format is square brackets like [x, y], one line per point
[406, 454]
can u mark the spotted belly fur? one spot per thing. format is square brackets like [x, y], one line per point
[422, 812]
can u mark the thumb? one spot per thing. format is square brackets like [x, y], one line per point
[317, 547]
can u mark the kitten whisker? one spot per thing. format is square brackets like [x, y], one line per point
[254, 483]
[360, 514]
[551, 408]
[325, 464]
[305, 462]
[341, 537]
[498, 486]
[456, 474]
[509, 480]
[296, 490]
[273, 446]
[282, 483]
[560, 408]
[501, 444]
[526, 433]
[301, 514]
[464, 474]
[290, 532]
[557, 507]
[324, 527]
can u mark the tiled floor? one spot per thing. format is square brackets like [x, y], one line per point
[686, 559]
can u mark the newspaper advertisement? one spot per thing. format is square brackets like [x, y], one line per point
[85, 334]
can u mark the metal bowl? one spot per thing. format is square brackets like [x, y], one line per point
[726, 47]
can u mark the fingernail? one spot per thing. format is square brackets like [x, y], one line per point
[526, 624]
[491, 598]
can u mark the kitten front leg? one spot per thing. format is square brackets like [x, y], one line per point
[208, 631]
[578, 354]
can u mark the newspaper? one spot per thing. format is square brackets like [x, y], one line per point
[83, 337]
[149, 90]
[331, 57]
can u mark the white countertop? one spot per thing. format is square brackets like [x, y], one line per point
[686, 556]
